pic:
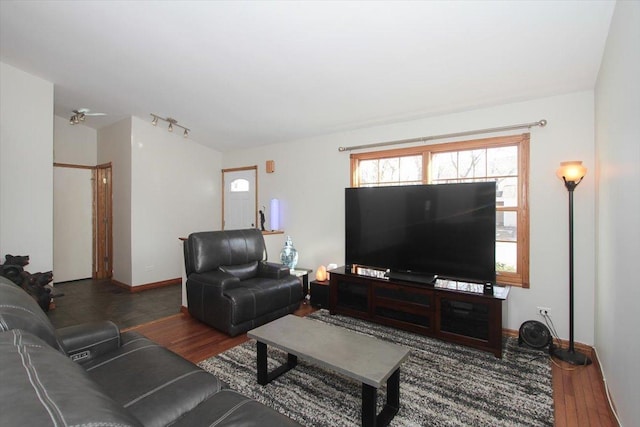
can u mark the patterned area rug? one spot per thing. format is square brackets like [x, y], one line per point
[441, 384]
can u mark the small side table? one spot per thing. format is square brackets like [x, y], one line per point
[320, 294]
[303, 275]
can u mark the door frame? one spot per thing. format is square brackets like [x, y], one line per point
[103, 221]
[102, 218]
[243, 168]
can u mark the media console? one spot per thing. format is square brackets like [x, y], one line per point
[448, 310]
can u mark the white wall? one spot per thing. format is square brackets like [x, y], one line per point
[311, 176]
[26, 167]
[617, 107]
[77, 144]
[175, 191]
[114, 145]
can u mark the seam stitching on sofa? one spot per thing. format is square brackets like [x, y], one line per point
[18, 308]
[134, 340]
[119, 356]
[229, 412]
[93, 344]
[32, 375]
[99, 424]
[160, 387]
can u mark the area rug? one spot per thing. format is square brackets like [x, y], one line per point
[441, 384]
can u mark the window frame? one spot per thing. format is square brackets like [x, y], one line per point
[521, 277]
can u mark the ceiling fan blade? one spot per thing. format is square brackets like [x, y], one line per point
[87, 112]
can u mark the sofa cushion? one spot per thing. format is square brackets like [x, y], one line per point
[18, 310]
[255, 297]
[154, 384]
[43, 387]
[242, 271]
[229, 408]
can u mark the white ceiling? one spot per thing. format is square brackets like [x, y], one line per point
[242, 74]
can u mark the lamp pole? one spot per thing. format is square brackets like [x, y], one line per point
[570, 355]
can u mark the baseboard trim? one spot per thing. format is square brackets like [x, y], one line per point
[582, 348]
[146, 287]
[185, 310]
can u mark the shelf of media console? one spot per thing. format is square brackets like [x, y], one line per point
[500, 292]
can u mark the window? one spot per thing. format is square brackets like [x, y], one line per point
[504, 160]
[239, 185]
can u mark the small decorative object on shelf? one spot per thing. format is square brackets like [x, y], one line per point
[321, 273]
[289, 254]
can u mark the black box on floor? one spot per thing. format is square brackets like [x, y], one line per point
[320, 294]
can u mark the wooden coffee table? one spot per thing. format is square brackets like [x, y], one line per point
[365, 359]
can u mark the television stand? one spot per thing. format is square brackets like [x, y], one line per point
[448, 310]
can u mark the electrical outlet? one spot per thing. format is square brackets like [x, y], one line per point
[544, 311]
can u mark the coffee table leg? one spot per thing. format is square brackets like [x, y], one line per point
[263, 376]
[369, 397]
[261, 360]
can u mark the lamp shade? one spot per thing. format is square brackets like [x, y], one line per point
[275, 214]
[571, 171]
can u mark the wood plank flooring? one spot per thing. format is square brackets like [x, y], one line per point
[578, 393]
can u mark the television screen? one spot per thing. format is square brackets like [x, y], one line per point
[448, 230]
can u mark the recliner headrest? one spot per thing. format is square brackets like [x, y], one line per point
[208, 250]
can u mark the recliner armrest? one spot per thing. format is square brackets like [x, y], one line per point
[272, 270]
[86, 341]
[215, 281]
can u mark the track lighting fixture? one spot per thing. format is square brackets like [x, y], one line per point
[172, 122]
[80, 114]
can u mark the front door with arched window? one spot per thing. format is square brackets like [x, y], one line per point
[239, 198]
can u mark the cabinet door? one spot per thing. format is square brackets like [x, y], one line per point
[406, 307]
[470, 320]
[352, 296]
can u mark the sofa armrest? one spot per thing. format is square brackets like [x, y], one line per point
[86, 341]
[272, 270]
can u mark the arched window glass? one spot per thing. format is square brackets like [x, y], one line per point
[239, 185]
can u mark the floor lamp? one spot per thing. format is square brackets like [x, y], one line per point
[571, 173]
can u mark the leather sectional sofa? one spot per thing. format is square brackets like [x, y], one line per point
[230, 286]
[93, 375]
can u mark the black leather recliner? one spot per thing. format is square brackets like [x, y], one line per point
[231, 287]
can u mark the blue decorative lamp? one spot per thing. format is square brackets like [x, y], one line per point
[275, 215]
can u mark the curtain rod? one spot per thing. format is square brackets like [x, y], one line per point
[541, 123]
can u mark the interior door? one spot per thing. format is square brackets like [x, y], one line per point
[239, 198]
[72, 223]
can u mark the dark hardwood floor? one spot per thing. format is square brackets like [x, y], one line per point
[579, 396]
[94, 300]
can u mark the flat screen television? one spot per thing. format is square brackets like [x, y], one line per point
[443, 230]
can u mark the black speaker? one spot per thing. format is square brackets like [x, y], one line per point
[535, 334]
